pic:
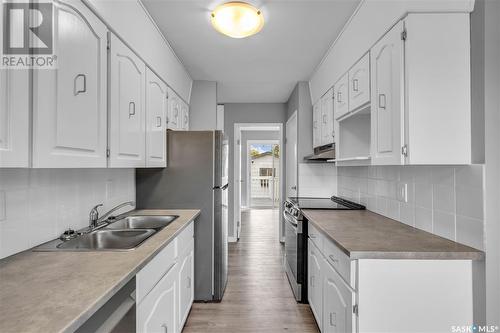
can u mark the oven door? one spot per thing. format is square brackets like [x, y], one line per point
[292, 234]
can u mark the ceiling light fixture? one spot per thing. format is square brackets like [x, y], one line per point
[237, 19]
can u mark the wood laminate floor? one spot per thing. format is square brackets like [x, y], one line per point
[258, 297]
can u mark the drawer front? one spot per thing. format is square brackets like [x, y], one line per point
[338, 260]
[184, 238]
[155, 269]
[315, 236]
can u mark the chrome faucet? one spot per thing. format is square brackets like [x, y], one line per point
[95, 220]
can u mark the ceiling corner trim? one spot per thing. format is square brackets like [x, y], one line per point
[164, 38]
[361, 3]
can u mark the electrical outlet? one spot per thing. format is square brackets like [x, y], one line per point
[402, 192]
[2, 206]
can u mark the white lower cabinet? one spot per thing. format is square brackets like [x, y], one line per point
[186, 288]
[315, 284]
[157, 311]
[164, 287]
[338, 314]
[386, 295]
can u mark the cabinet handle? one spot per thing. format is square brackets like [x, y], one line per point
[158, 121]
[131, 109]
[312, 236]
[355, 86]
[312, 281]
[339, 97]
[189, 282]
[333, 319]
[332, 258]
[381, 101]
[324, 119]
[315, 124]
[77, 91]
[165, 327]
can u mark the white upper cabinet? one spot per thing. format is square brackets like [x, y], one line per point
[127, 112]
[359, 83]
[421, 95]
[341, 96]
[156, 123]
[69, 103]
[317, 124]
[387, 98]
[14, 118]
[174, 111]
[327, 135]
[185, 116]
[438, 89]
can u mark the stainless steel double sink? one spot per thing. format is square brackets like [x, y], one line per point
[124, 234]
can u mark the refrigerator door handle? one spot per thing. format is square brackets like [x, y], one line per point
[224, 187]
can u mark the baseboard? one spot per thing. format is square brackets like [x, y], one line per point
[232, 239]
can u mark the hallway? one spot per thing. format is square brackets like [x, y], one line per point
[258, 297]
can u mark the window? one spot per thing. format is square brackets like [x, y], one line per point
[267, 172]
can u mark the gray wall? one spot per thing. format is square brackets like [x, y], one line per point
[247, 113]
[492, 168]
[203, 106]
[252, 135]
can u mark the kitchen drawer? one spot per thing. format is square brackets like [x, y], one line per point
[338, 260]
[147, 278]
[315, 236]
[184, 238]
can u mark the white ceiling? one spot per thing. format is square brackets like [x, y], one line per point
[262, 68]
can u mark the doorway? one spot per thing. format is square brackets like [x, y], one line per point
[268, 188]
[263, 176]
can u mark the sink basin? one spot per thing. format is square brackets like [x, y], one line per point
[143, 222]
[108, 240]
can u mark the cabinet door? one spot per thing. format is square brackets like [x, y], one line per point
[185, 116]
[127, 128]
[315, 287]
[359, 83]
[327, 118]
[316, 124]
[387, 99]
[157, 311]
[69, 103]
[174, 111]
[186, 290]
[341, 91]
[14, 118]
[337, 303]
[156, 112]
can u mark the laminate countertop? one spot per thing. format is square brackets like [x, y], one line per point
[362, 234]
[59, 291]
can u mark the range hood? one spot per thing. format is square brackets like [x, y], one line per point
[322, 154]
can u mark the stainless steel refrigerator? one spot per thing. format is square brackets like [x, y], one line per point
[196, 177]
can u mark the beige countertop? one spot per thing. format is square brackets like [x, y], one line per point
[362, 234]
[59, 291]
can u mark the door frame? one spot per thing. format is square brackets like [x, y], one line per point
[248, 176]
[238, 128]
[295, 115]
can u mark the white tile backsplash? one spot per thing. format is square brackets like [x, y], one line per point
[317, 180]
[445, 200]
[37, 205]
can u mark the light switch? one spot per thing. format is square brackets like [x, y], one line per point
[402, 192]
[2, 206]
